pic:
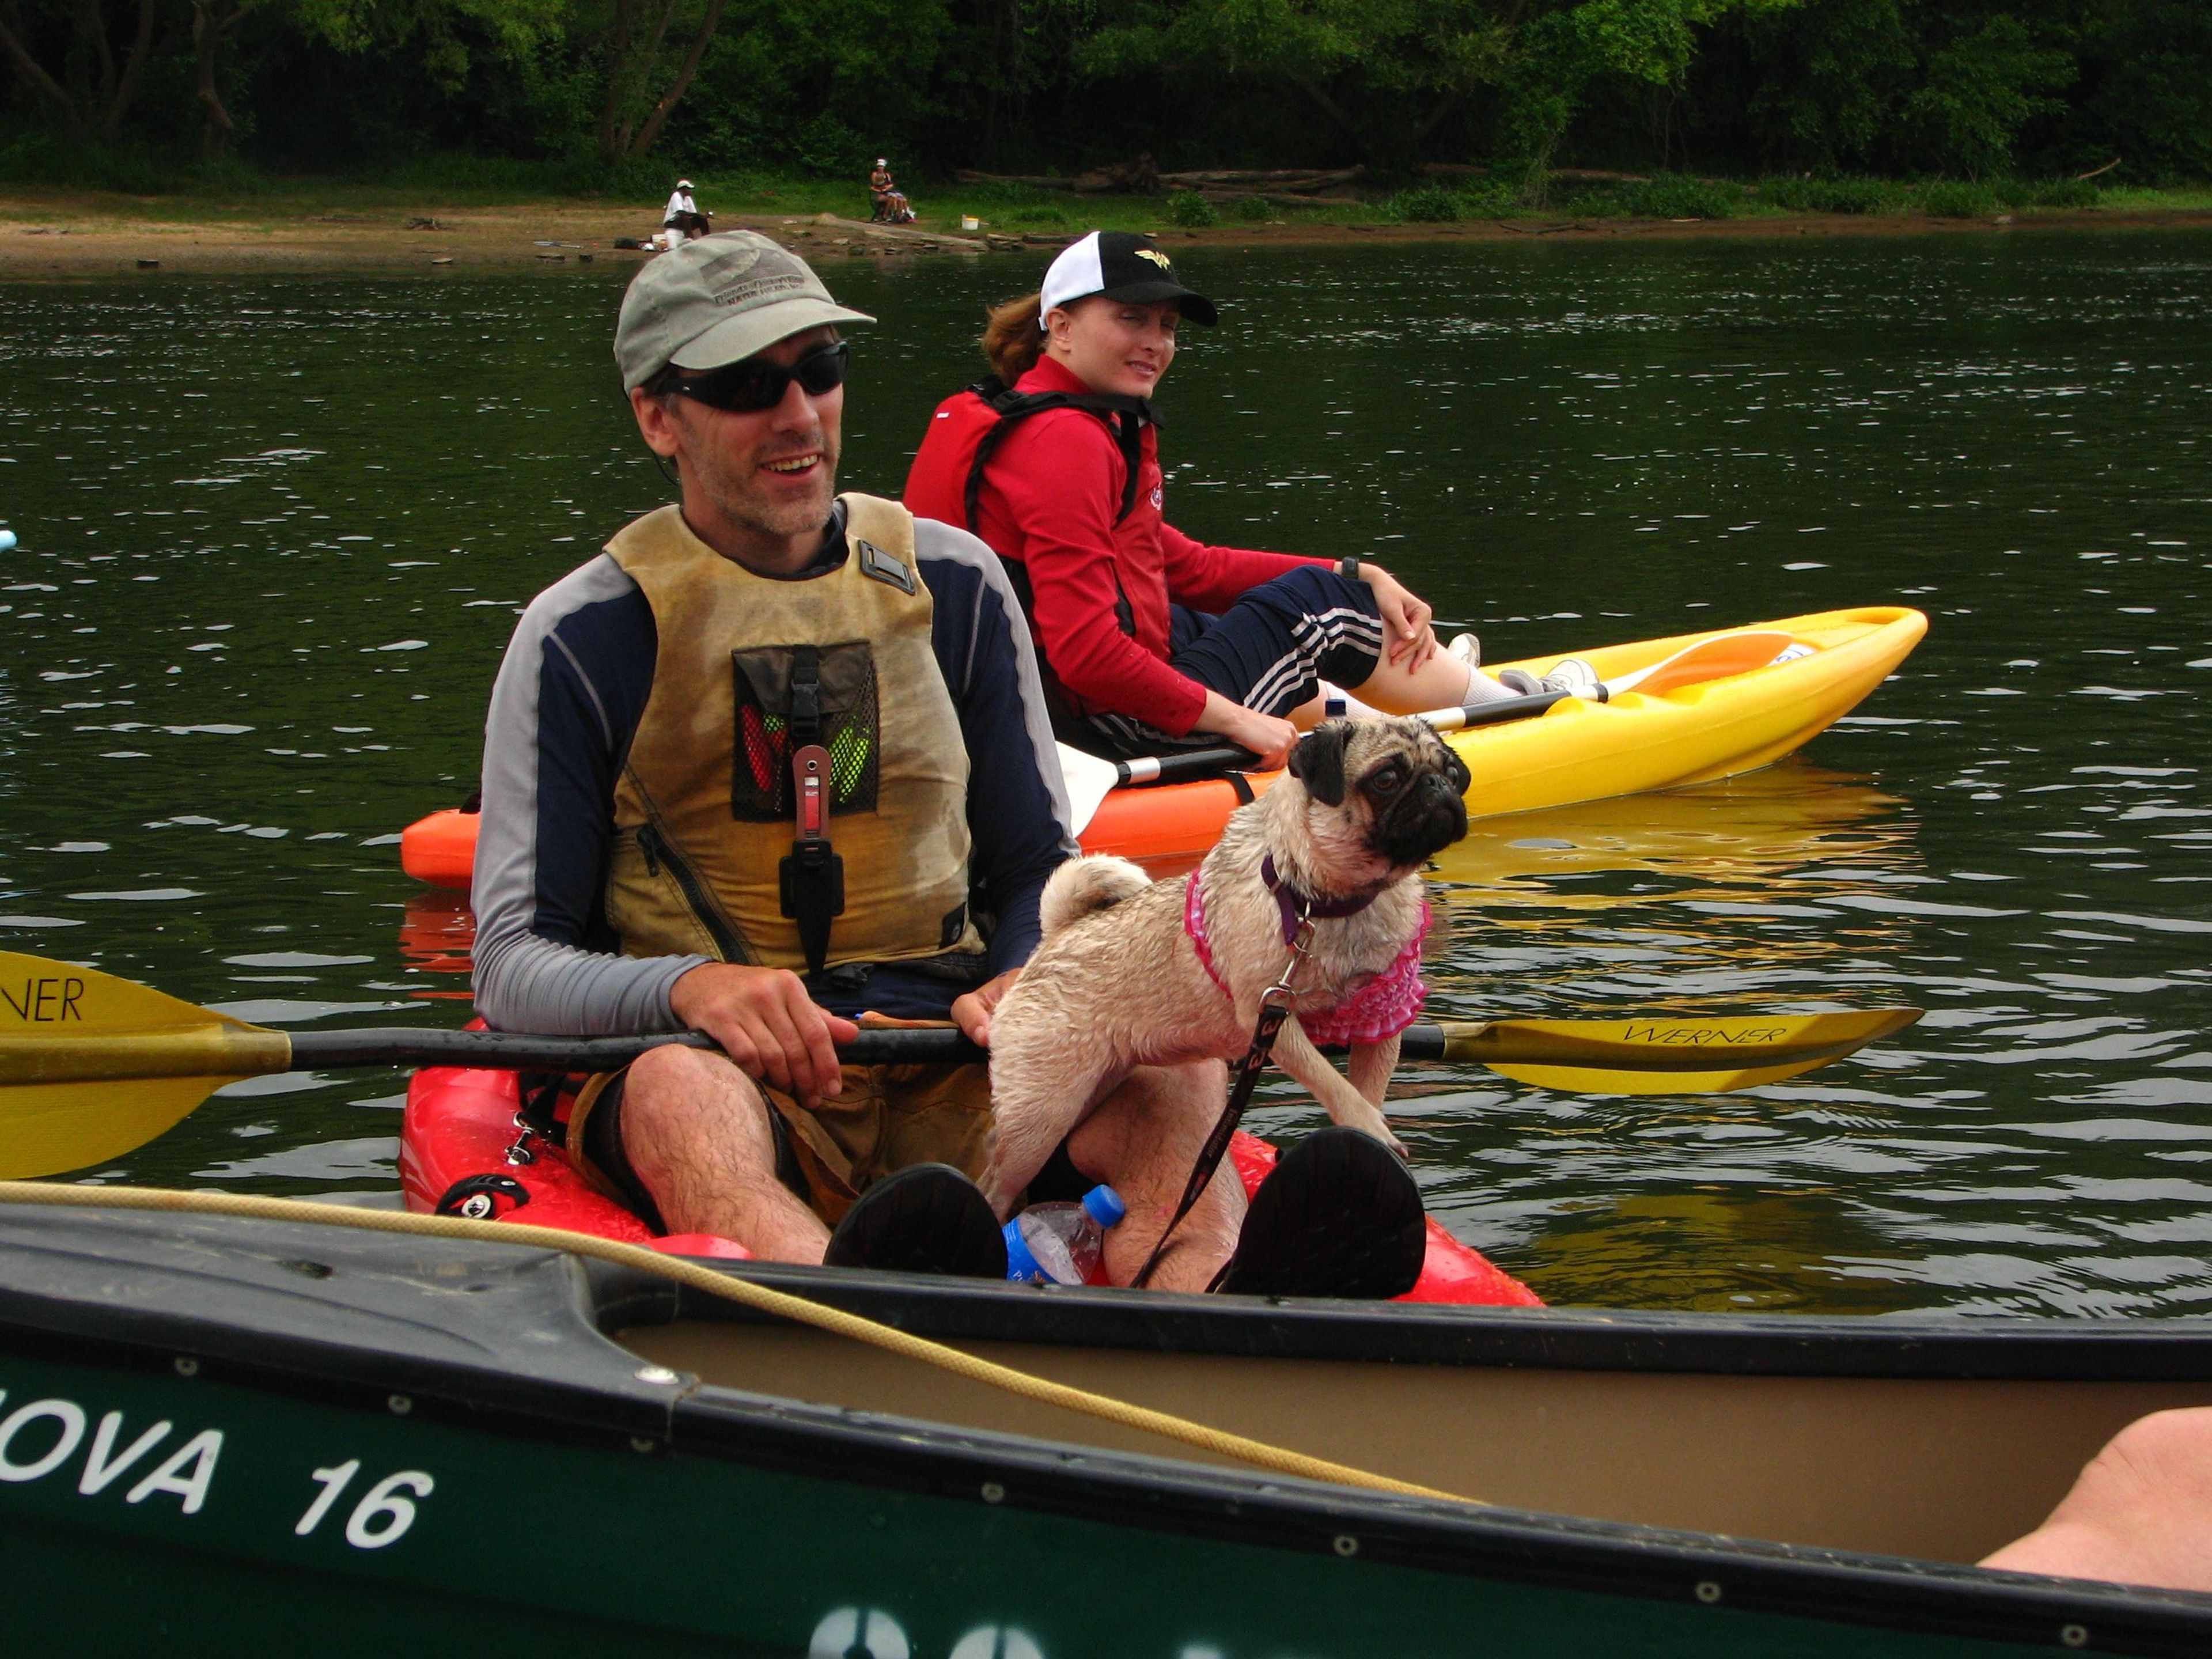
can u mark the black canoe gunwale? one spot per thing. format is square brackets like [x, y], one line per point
[1902, 1346]
[382, 1318]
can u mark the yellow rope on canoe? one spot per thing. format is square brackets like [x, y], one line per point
[760, 1297]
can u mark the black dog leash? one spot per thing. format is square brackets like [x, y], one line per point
[1274, 1009]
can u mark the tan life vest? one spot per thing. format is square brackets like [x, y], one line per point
[704, 811]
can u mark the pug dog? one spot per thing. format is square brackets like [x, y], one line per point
[1133, 972]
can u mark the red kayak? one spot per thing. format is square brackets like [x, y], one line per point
[459, 1125]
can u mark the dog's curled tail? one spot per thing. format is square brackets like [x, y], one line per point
[1082, 886]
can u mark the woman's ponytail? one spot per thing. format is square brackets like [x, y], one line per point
[1013, 338]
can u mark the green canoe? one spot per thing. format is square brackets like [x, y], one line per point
[218, 1435]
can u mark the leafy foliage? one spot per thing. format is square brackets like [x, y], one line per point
[1676, 196]
[1191, 211]
[1979, 90]
[1973, 90]
[1810, 195]
[1959, 200]
[1431, 204]
[1382, 73]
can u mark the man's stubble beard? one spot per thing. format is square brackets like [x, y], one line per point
[741, 501]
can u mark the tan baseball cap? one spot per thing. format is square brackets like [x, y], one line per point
[717, 300]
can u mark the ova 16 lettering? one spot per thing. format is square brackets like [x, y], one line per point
[39, 1437]
[381, 1517]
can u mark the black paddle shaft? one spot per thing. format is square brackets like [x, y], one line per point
[1191, 764]
[514, 1051]
[1509, 708]
[510, 1051]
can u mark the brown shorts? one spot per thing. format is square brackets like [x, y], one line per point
[888, 1118]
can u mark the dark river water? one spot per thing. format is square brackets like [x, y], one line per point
[275, 533]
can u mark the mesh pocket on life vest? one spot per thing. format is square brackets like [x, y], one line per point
[850, 728]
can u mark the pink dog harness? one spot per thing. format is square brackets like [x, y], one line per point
[1380, 1009]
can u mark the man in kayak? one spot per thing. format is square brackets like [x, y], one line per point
[775, 757]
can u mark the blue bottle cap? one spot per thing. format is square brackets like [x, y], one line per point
[1022, 1266]
[1104, 1206]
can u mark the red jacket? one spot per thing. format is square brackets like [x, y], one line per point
[1049, 501]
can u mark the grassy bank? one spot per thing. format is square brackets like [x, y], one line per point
[447, 213]
[145, 185]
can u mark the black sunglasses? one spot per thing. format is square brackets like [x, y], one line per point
[754, 383]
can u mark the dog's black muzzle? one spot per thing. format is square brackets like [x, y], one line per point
[1421, 822]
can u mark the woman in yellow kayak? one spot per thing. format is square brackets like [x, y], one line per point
[1149, 637]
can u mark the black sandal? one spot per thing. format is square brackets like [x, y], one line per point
[1338, 1216]
[927, 1218]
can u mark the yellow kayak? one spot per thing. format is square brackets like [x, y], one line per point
[1715, 728]
[1577, 750]
[1800, 675]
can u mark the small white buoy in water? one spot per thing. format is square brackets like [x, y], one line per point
[7, 541]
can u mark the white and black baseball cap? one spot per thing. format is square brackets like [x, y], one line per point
[1120, 265]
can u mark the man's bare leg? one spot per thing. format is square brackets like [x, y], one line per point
[2139, 1513]
[696, 1129]
[1143, 1140]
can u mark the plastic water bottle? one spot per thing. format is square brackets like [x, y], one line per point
[1062, 1243]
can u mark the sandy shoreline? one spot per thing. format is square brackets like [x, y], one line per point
[47, 236]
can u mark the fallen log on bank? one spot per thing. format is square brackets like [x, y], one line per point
[1297, 181]
[1138, 177]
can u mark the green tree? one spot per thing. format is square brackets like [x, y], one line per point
[640, 87]
[1569, 53]
[1830, 76]
[1388, 73]
[2145, 92]
[1384, 73]
[998, 63]
[1979, 88]
[821, 85]
[82, 68]
[1955, 86]
[426, 34]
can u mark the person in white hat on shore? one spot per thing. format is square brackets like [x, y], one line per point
[677, 217]
[887, 201]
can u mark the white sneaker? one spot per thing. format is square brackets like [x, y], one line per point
[1572, 676]
[1467, 649]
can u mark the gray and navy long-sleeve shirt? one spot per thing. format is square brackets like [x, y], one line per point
[569, 698]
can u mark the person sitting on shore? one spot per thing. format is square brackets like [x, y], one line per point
[1149, 636]
[681, 219]
[888, 203]
[656, 854]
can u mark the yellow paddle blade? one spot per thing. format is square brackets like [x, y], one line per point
[1689, 1055]
[50, 1129]
[1708, 659]
[135, 1062]
[1583, 1080]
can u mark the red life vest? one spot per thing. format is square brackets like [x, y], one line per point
[946, 479]
[946, 483]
